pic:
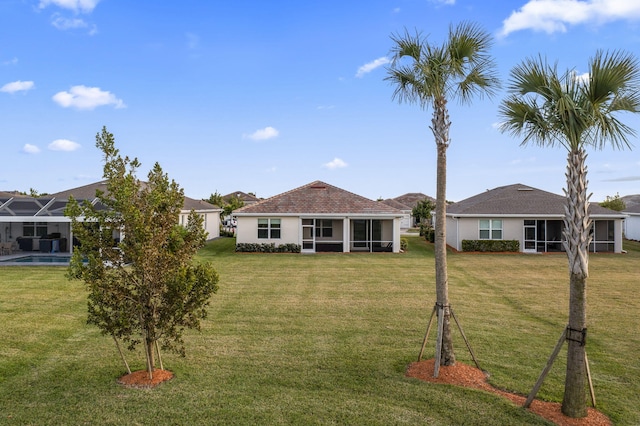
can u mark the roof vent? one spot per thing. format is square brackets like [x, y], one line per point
[524, 188]
[319, 187]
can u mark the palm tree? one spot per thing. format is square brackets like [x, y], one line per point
[549, 109]
[429, 75]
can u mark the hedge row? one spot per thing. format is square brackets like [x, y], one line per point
[267, 248]
[491, 245]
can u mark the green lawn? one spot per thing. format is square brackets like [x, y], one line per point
[324, 339]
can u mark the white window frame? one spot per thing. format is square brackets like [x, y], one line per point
[273, 229]
[493, 229]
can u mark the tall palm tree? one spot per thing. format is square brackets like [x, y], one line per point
[429, 75]
[550, 109]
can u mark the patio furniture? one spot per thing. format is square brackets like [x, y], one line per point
[6, 248]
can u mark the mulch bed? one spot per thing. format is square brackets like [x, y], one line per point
[464, 375]
[140, 379]
[459, 374]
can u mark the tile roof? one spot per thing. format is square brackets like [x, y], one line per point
[411, 199]
[88, 192]
[396, 204]
[318, 198]
[518, 199]
[242, 196]
[635, 208]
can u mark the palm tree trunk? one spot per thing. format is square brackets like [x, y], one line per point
[577, 224]
[440, 128]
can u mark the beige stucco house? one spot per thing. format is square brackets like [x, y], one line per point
[529, 215]
[320, 218]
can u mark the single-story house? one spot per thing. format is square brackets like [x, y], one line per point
[39, 223]
[246, 198]
[407, 219]
[529, 215]
[632, 222]
[410, 200]
[320, 218]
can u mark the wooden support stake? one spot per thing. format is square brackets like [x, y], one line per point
[465, 339]
[593, 394]
[126, 364]
[159, 356]
[436, 366]
[426, 335]
[546, 370]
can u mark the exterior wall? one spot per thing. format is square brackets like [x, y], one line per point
[632, 226]
[468, 229]
[406, 220]
[211, 222]
[291, 231]
[461, 229]
[247, 231]
[512, 229]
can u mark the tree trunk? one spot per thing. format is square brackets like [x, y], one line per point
[440, 129]
[577, 225]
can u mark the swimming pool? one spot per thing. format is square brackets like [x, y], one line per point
[35, 259]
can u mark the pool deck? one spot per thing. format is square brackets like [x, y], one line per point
[9, 260]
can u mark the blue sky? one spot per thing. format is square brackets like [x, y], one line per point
[264, 97]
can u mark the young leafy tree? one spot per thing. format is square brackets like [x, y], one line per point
[614, 203]
[550, 109]
[232, 204]
[144, 288]
[423, 211]
[215, 199]
[429, 75]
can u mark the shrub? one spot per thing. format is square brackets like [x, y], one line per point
[429, 234]
[404, 244]
[491, 245]
[267, 248]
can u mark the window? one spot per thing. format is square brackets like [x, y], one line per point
[324, 228]
[34, 229]
[490, 229]
[603, 236]
[268, 228]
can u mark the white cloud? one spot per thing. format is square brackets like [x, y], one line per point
[17, 86]
[555, 15]
[263, 134]
[336, 163]
[77, 6]
[62, 23]
[30, 149]
[83, 97]
[63, 145]
[582, 78]
[367, 68]
[12, 61]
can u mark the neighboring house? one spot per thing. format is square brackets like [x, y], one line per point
[321, 218]
[411, 200]
[529, 215]
[247, 199]
[407, 219]
[632, 223]
[39, 224]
